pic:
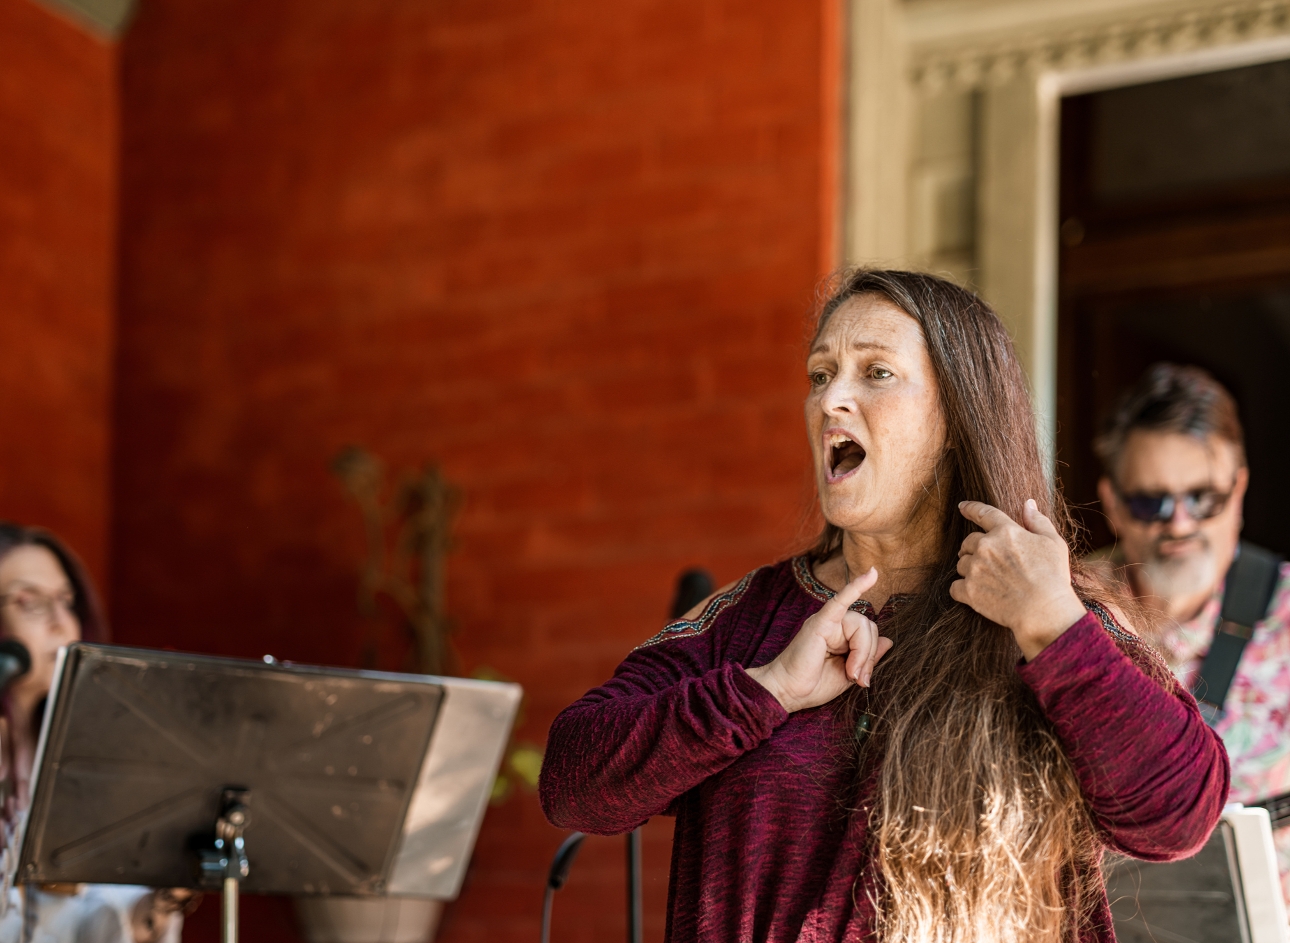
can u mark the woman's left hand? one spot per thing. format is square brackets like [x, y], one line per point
[1018, 576]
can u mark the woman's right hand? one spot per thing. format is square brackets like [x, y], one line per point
[834, 649]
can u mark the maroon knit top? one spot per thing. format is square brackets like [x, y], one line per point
[764, 849]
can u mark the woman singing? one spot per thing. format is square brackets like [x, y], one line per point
[928, 728]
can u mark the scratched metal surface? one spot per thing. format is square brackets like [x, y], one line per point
[139, 745]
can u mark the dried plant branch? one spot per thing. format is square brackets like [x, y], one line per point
[409, 570]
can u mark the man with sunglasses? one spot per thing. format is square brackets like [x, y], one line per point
[1173, 455]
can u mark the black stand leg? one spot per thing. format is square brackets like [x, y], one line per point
[635, 916]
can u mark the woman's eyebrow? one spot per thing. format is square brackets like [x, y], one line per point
[873, 345]
[823, 348]
[28, 584]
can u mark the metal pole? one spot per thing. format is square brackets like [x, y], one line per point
[635, 922]
[229, 933]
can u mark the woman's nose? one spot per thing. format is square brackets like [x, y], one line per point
[839, 397]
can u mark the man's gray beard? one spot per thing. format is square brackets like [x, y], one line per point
[1173, 577]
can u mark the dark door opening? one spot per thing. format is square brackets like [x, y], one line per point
[1175, 245]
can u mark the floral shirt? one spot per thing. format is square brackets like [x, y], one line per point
[1255, 726]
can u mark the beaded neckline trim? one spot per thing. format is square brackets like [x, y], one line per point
[813, 587]
[1110, 623]
[687, 628]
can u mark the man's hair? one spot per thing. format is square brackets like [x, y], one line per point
[1170, 398]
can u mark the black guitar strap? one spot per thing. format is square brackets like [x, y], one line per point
[1251, 581]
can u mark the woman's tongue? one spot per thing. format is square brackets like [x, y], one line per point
[846, 458]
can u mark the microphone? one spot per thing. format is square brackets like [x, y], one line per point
[692, 587]
[15, 661]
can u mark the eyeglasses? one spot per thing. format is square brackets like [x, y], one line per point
[1200, 505]
[33, 604]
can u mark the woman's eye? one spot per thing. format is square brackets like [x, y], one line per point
[879, 373]
[819, 379]
[27, 603]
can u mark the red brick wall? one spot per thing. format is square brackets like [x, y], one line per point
[57, 228]
[565, 249]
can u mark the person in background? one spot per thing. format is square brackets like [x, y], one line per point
[1175, 475]
[46, 602]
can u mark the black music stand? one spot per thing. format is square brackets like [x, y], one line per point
[174, 770]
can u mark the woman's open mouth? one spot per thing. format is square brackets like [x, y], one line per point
[844, 454]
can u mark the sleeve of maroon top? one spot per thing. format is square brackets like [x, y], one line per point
[1154, 774]
[673, 714]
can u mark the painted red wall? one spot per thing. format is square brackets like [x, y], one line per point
[565, 249]
[58, 153]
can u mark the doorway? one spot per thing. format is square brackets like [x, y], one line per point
[1175, 245]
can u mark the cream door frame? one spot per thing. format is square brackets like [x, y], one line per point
[1019, 57]
[106, 18]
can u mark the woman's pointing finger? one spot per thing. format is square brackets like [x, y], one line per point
[835, 608]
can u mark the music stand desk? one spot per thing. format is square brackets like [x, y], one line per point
[175, 770]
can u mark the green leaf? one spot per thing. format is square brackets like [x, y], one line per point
[526, 761]
[501, 790]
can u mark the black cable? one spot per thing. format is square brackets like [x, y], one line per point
[559, 873]
[547, 900]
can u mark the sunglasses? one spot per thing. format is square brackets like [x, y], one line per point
[1200, 505]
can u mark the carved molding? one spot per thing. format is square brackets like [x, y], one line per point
[994, 62]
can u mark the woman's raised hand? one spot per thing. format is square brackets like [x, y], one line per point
[834, 649]
[1018, 576]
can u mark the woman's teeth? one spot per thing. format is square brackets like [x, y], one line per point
[845, 454]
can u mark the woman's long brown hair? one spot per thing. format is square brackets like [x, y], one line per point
[979, 828]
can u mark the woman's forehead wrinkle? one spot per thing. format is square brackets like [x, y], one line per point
[862, 344]
[870, 327]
